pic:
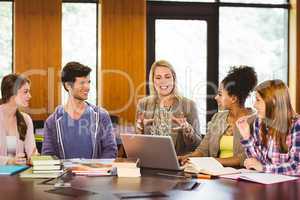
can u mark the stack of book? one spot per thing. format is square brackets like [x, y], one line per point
[43, 167]
[127, 167]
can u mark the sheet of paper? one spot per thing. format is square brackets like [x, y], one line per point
[266, 178]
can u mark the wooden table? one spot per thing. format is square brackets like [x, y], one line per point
[13, 188]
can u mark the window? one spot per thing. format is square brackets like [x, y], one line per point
[188, 55]
[6, 26]
[257, 1]
[249, 32]
[257, 37]
[185, 35]
[79, 39]
[204, 1]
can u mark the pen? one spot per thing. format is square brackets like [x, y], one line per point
[58, 177]
[171, 175]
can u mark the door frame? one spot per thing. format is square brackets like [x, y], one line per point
[189, 11]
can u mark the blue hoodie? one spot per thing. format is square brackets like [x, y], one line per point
[103, 139]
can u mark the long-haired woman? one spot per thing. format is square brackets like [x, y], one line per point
[16, 129]
[273, 143]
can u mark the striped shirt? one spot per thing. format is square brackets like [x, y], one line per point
[270, 157]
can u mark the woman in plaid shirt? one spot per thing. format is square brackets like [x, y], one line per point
[273, 143]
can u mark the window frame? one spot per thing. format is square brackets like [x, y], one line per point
[187, 11]
[97, 38]
[12, 35]
[178, 10]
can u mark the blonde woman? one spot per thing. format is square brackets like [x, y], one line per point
[273, 144]
[165, 112]
[17, 142]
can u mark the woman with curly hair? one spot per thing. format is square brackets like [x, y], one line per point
[222, 140]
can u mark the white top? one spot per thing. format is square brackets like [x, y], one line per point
[11, 143]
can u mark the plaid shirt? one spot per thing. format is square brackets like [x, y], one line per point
[272, 160]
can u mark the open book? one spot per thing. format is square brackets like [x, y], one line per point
[263, 178]
[208, 165]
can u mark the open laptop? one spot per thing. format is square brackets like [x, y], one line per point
[156, 152]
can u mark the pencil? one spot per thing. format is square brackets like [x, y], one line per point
[199, 176]
[202, 176]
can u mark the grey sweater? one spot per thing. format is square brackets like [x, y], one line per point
[182, 106]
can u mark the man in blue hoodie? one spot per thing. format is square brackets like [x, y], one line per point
[78, 129]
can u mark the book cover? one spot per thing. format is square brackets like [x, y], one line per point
[29, 174]
[46, 167]
[45, 160]
[11, 169]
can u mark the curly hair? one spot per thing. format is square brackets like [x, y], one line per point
[240, 81]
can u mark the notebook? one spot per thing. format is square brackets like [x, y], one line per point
[263, 178]
[97, 169]
[11, 169]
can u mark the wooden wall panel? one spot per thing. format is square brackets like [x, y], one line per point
[294, 52]
[37, 46]
[123, 55]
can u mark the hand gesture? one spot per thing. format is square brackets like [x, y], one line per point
[183, 125]
[183, 160]
[19, 159]
[243, 127]
[181, 121]
[142, 121]
[253, 163]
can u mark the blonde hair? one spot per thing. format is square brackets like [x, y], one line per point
[279, 112]
[166, 64]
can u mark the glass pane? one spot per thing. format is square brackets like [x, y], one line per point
[255, 37]
[183, 44]
[257, 1]
[79, 40]
[5, 39]
[187, 0]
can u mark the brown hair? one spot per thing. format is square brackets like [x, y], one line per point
[72, 70]
[9, 87]
[279, 112]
